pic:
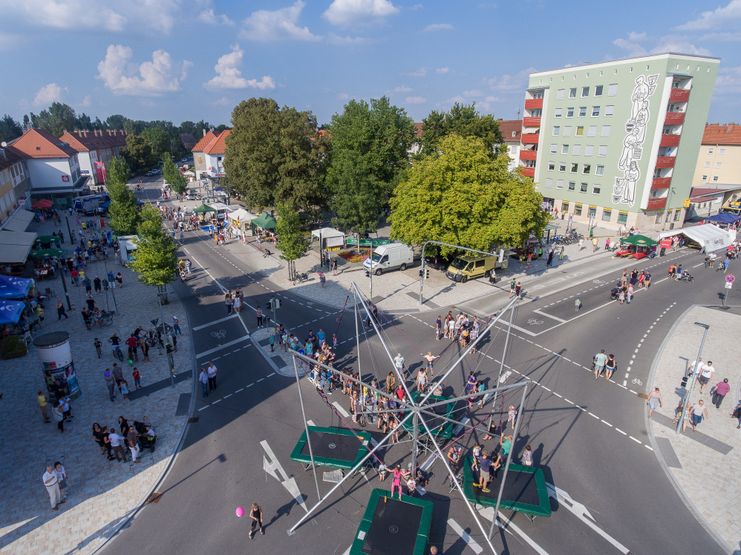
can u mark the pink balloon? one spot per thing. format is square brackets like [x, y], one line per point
[240, 511]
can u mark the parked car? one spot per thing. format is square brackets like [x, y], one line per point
[389, 257]
[472, 266]
[191, 194]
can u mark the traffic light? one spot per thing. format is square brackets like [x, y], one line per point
[367, 273]
[683, 385]
[420, 272]
[276, 303]
[427, 273]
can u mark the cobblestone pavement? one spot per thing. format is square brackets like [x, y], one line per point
[703, 464]
[102, 493]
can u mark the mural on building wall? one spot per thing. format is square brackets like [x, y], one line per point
[624, 190]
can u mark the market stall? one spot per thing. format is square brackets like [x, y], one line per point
[636, 246]
[15, 288]
[264, 227]
[707, 237]
[239, 222]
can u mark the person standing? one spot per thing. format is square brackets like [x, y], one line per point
[697, 413]
[176, 325]
[599, 362]
[137, 377]
[61, 480]
[119, 279]
[706, 374]
[116, 441]
[549, 262]
[203, 380]
[58, 414]
[527, 456]
[256, 517]
[211, 370]
[719, 391]
[110, 383]
[51, 482]
[654, 401]
[60, 311]
[577, 305]
[98, 347]
[43, 406]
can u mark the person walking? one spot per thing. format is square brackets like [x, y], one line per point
[654, 401]
[256, 517]
[137, 378]
[719, 391]
[110, 383]
[211, 371]
[98, 347]
[43, 406]
[697, 413]
[549, 262]
[203, 380]
[61, 480]
[577, 305]
[60, 311]
[51, 482]
[706, 374]
[610, 366]
[598, 362]
[176, 325]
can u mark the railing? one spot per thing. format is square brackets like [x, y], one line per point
[669, 140]
[533, 104]
[674, 118]
[527, 172]
[661, 182]
[656, 203]
[528, 154]
[531, 121]
[665, 161]
[679, 95]
[530, 138]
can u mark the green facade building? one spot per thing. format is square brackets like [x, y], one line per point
[615, 144]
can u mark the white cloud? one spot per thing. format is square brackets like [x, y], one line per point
[401, 89]
[159, 15]
[728, 81]
[352, 12]
[632, 44]
[48, 94]
[346, 40]
[438, 27]
[712, 19]
[640, 44]
[442, 70]
[86, 101]
[473, 93]
[267, 25]
[229, 75]
[415, 100]
[421, 72]
[151, 78]
[510, 82]
[212, 18]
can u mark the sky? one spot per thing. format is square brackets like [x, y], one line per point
[196, 59]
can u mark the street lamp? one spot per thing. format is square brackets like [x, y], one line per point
[695, 371]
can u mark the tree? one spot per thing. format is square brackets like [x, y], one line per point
[56, 119]
[9, 129]
[463, 196]
[155, 258]
[292, 241]
[271, 156]
[463, 120]
[138, 153]
[158, 140]
[150, 221]
[124, 213]
[369, 153]
[117, 172]
[172, 175]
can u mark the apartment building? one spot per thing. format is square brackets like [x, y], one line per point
[511, 130]
[208, 154]
[615, 143]
[95, 149]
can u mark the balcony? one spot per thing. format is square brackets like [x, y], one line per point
[528, 154]
[674, 118]
[527, 172]
[656, 203]
[533, 104]
[533, 121]
[661, 182]
[530, 138]
[669, 140]
[665, 162]
[679, 95]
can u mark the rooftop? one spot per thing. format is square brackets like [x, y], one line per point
[511, 130]
[218, 145]
[37, 143]
[623, 60]
[204, 141]
[722, 134]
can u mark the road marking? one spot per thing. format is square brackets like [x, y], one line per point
[223, 346]
[214, 322]
[203, 408]
[465, 536]
[620, 431]
[272, 466]
[216, 401]
[634, 439]
[240, 389]
[340, 409]
[506, 524]
[228, 395]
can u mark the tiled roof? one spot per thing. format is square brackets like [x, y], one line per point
[9, 156]
[204, 141]
[722, 134]
[511, 130]
[37, 143]
[705, 192]
[74, 142]
[218, 146]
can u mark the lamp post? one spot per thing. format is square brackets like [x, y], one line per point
[695, 371]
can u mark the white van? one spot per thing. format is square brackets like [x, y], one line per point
[389, 257]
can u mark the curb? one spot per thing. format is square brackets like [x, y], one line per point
[657, 450]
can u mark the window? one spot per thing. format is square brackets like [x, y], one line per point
[595, 111]
[717, 164]
[586, 169]
[551, 166]
[599, 170]
[549, 182]
[622, 217]
[559, 183]
[592, 212]
[609, 110]
[606, 214]
[598, 90]
[553, 148]
[612, 89]
[602, 150]
[658, 218]
[576, 150]
[558, 112]
[564, 207]
[572, 93]
[572, 185]
[707, 163]
[584, 91]
[677, 214]
[577, 209]
[710, 150]
[564, 149]
[721, 151]
[704, 177]
[715, 178]
[588, 150]
[596, 190]
[570, 112]
[560, 93]
[556, 130]
[580, 131]
[583, 187]
[606, 130]
[582, 111]
[574, 167]
[567, 131]
[562, 167]
[592, 131]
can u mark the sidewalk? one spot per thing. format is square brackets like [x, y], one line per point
[102, 493]
[703, 464]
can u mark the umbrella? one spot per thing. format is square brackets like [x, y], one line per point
[42, 204]
[264, 221]
[42, 253]
[11, 311]
[639, 241]
[203, 208]
[47, 240]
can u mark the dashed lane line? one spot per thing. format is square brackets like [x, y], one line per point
[212, 403]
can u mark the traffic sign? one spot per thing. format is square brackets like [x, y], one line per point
[729, 285]
[730, 278]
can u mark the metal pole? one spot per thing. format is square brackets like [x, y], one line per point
[422, 278]
[415, 440]
[64, 286]
[69, 230]
[357, 331]
[501, 366]
[509, 459]
[306, 428]
[695, 370]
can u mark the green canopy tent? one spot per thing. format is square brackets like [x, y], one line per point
[47, 242]
[203, 209]
[43, 253]
[638, 241]
[264, 221]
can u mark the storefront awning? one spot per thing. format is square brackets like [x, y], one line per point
[19, 221]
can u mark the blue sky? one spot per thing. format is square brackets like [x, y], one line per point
[195, 59]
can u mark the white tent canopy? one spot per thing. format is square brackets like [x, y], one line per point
[330, 236]
[710, 237]
[242, 215]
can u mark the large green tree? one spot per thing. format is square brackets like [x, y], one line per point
[172, 175]
[9, 129]
[369, 153]
[123, 210]
[292, 240]
[463, 120]
[138, 153]
[155, 258]
[117, 172]
[271, 156]
[463, 196]
[55, 119]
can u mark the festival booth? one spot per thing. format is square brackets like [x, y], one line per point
[636, 246]
[264, 227]
[127, 244]
[329, 238]
[15, 288]
[11, 312]
[239, 222]
[724, 219]
[15, 247]
[707, 237]
[19, 221]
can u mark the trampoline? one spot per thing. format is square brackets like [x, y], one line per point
[337, 447]
[393, 526]
[440, 428]
[524, 491]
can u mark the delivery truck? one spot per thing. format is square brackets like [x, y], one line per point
[389, 257]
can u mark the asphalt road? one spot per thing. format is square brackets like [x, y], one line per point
[590, 436]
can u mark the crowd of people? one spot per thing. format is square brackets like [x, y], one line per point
[125, 442]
